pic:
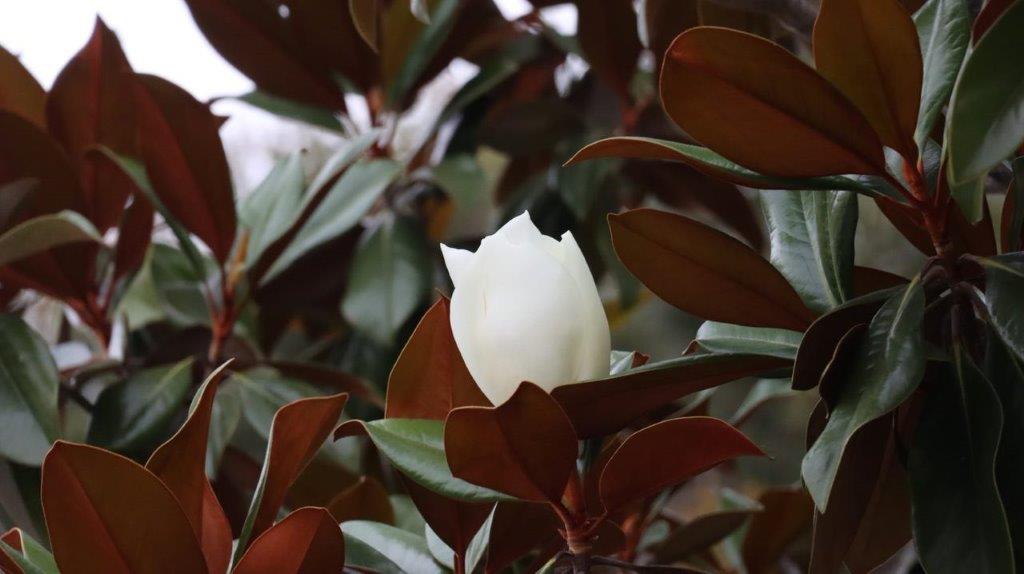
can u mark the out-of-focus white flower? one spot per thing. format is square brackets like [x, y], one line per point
[525, 308]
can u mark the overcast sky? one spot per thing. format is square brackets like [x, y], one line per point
[158, 36]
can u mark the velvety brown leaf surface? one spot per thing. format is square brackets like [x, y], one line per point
[298, 431]
[722, 87]
[185, 161]
[705, 272]
[870, 50]
[526, 447]
[430, 378]
[667, 453]
[107, 514]
[181, 464]
[307, 541]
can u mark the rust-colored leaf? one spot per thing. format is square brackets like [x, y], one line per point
[705, 272]
[758, 105]
[366, 17]
[28, 153]
[525, 448]
[367, 499]
[868, 280]
[108, 514]
[909, 227]
[516, 529]
[181, 464]
[307, 541]
[870, 50]
[454, 521]
[823, 336]
[251, 36]
[684, 187]
[11, 538]
[134, 235]
[20, 93]
[185, 161]
[429, 378]
[786, 515]
[988, 15]
[608, 37]
[668, 453]
[91, 104]
[665, 19]
[858, 474]
[605, 406]
[885, 525]
[298, 431]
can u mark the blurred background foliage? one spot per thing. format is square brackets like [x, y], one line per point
[372, 135]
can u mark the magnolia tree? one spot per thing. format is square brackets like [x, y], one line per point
[346, 369]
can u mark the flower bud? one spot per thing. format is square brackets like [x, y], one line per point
[525, 308]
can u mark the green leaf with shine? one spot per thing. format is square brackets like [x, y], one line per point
[44, 232]
[29, 422]
[1004, 297]
[134, 414]
[345, 203]
[1006, 374]
[268, 211]
[389, 278]
[985, 121]
[958, 520]
[728, 338]
[888, 368]
[944, 28]
[387, 549]
[705, 160]
[811, 234]
[416, 448]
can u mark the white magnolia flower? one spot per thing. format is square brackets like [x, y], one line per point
[525, 308]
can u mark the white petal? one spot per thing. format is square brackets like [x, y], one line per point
[595, 342]
[456, 260]
[516, 317]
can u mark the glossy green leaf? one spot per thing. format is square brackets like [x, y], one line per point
[387, 549]
[135, 413]
[762, 392]
[416, 447]
[728, 338]
[45, 232]
[344, 204]
[1012, 229]
[476, 551]
[224, 419]
[711, 163]
[1004, 297]
[21, 561]
[263, 391]
[268, 211]
[959, 521]
[887, 369]
[34, 557]
[180, 295]
[307, 113]
[984, 123]
[423, 49]
[1007, 377]
[491, 75]
[389, 278]
[944, 27]
[812, 243]
[29, 381]
[136, 170]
